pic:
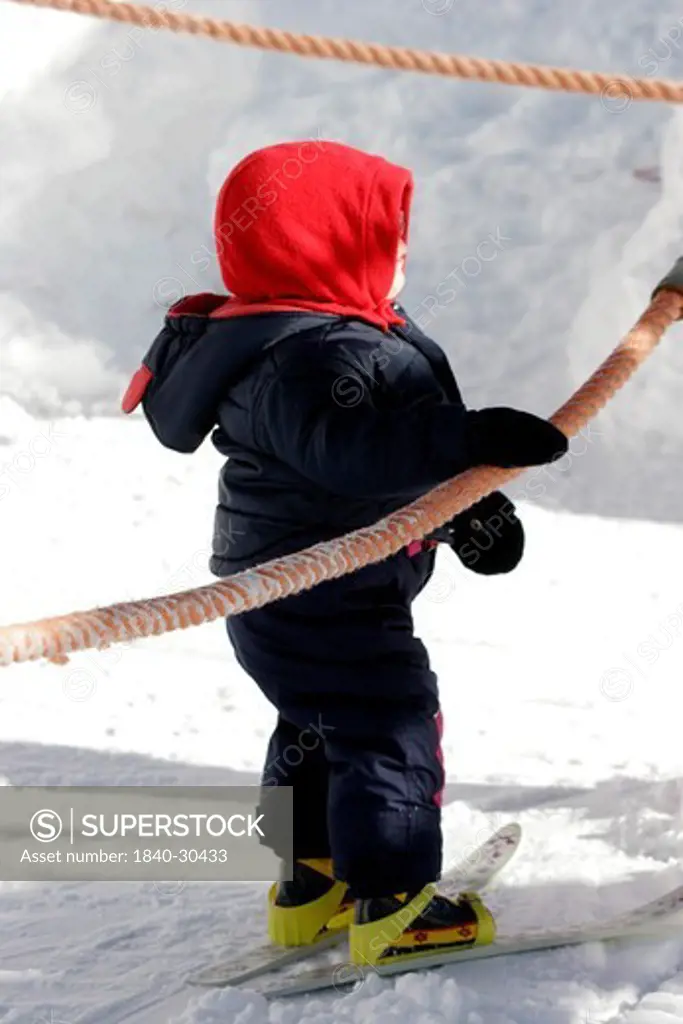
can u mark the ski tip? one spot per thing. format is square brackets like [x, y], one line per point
[513, 831]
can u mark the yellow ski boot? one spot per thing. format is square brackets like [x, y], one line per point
[409, 927]
[304, 910]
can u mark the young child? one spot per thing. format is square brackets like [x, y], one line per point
[333, 410]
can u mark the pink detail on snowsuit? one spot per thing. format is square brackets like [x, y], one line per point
[438, 796]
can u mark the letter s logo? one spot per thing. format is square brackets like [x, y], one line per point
[46, 826]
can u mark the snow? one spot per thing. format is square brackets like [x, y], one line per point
[114, 142]
[560, 684]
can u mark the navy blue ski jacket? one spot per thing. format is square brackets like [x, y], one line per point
[327, 423]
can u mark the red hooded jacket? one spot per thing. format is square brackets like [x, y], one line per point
[312, 225]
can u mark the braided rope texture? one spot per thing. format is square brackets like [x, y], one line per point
[619, 89]
[55, 638]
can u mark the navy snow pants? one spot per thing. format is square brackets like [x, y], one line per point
[358, 731]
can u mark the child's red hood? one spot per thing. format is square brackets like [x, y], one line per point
[312, 225]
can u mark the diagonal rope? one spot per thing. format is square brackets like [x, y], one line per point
[55, 638]
[617, 91]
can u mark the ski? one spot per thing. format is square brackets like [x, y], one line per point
[473, 872]
[650, 920]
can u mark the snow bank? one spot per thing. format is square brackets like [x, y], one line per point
[115, 142]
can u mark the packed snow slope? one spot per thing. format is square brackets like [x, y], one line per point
[561, 692]
[114, 142]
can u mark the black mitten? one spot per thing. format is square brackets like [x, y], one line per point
[512, 439]
[488, 538]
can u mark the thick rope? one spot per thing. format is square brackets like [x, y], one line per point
[616, 90]
[56, 637]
